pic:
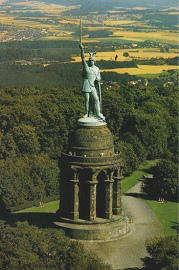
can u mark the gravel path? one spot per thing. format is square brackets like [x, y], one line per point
[127, 251]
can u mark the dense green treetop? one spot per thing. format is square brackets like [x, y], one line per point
[163, 252]
[24, 247]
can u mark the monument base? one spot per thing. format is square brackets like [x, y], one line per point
[100, 229]
[91, 121]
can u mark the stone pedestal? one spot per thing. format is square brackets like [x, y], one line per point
[91, 178]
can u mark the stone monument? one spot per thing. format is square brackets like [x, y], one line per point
[91, 171]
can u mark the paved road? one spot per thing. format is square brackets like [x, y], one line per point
[127, 251]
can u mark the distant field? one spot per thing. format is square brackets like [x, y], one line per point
[73, 21]
[2, 1]
[159, 36]
[151, 53]
[142, 69]
[66, 37]
[119, 22]
[174, 13]
[136, 53]
[43, 7]
[6, 19]
[122, 23]
[104, 56]
[51, 13]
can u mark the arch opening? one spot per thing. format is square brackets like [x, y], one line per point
[101, 195]
[84, 194]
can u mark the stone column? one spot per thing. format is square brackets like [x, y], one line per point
[117, 200]
[117, 193]
[74, 214]
[92, 206]
[109, 196]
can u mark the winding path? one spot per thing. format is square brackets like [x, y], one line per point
[127, 251]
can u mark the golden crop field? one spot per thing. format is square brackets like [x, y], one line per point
[160, 36]
[2, 1]
[142, 69]
[118, 22]
[141, 53]
[174, 13]
[43, 7]
[6, 19]
[148, 53]
[103, 56]
[55, 38]
[70, 21]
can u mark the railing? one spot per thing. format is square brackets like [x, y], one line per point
[92, 160]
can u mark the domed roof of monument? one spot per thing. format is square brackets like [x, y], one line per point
[93, 140]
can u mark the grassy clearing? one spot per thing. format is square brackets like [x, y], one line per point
[168, 215]
[50, 207]
[134, 178]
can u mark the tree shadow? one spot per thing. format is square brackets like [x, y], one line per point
[136, 195]
[175, 226]
[148, 171]
[41, 220]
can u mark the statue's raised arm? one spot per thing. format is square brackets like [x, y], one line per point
[91, 86]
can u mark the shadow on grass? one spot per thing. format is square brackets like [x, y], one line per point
[148, 265]
[175, 226]
[41, 220]
[147, 170]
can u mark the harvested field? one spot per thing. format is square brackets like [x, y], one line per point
[159, 36]
[142, 69]
[145, 54]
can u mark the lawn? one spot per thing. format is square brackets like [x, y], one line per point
[168, 215]
[50, 207]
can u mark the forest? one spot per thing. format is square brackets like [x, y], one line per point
[41, 100]
[40, 106]
[35, 125]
